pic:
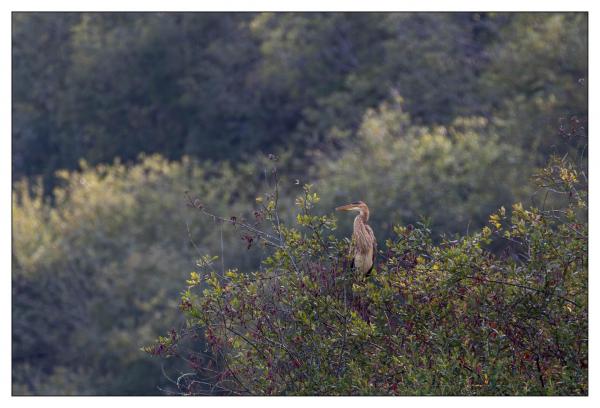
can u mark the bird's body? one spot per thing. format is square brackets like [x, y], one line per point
[364, 244]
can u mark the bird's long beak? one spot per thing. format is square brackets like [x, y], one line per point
[347, 207]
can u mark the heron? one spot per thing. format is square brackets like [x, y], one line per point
[364, 245]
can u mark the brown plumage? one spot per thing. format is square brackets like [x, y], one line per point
[364, 244]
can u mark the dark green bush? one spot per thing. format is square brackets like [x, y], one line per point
[433, 319]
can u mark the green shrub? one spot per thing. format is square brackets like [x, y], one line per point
[433, 319]
[454, 175]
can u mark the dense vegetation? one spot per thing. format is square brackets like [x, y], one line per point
[223, 86]
[446, 319]
[432, 118]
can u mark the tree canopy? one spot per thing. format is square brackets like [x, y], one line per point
[226, 85]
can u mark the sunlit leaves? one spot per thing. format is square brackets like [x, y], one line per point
[443, 319]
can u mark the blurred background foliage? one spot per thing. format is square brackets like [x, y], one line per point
[115, 115]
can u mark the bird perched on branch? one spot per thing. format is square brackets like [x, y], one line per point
[364, 245]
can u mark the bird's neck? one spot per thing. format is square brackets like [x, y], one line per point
[363, 216]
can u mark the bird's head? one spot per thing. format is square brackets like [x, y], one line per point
[359, 206]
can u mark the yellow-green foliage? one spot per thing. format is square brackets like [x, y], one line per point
[454, 175]
[97, 269]
[446, 319]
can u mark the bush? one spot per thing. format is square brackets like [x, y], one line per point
[455, 175]
[433, 319]
[96, 270]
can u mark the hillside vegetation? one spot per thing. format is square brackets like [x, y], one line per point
[435, 120]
